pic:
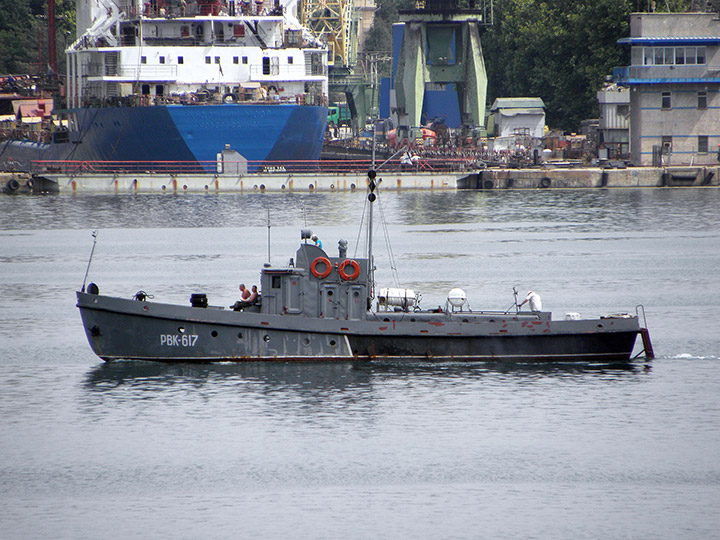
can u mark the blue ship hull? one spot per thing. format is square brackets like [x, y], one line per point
[171, 133]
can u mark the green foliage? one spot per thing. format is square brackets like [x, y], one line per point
[21, 23]
[560, 52]
[379, 38]
[16, 36]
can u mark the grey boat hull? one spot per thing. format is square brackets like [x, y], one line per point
[118, 328]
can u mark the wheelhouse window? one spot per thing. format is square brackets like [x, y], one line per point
[702, 100]
[207, 60]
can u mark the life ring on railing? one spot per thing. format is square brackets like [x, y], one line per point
[355, 270]
[325, 273]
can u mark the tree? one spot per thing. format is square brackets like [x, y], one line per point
[18, 41]
[22, 23]
[561, 52]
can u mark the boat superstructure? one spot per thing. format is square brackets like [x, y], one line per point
[175, 51]
[322, 307]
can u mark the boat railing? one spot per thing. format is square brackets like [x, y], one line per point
[237, 168]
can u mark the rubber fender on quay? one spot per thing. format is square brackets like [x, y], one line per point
[12, 186]
[545, 182]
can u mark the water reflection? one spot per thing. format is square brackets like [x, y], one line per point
[328, 377]
[299, 376]
[590, 210]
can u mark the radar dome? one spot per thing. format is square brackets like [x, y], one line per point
[456, 297]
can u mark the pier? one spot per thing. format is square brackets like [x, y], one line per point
[92, 179]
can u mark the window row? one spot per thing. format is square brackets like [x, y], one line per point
[673, 56]
[209, 60]
[666, 100]
[703, 145]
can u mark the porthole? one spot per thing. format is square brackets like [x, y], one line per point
[333, 342]
[181, 330]
[214, 333]
[266, 338]
[600, 325]
[306, 341]
[240, 335]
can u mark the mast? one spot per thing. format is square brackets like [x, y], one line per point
[371, 197]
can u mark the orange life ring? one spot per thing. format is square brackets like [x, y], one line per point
[325, 273]
[355, 267]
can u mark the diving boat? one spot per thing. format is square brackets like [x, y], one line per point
[326, 308]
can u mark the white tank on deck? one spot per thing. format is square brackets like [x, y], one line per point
[405, 298]
[457, 297]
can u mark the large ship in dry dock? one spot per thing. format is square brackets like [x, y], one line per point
[176, 81]
[325, 308]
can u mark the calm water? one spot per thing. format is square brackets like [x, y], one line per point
[138, 450]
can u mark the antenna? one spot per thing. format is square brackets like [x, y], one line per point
[87, 270]
[374, 143]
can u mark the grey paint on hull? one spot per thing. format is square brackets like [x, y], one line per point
[120, 328]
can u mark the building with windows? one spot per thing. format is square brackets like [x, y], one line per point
[674, 83]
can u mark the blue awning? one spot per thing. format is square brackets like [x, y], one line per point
[670, 40]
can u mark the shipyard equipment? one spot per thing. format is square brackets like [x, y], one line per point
[440, 46]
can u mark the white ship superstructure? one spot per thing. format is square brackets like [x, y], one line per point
[192, 51]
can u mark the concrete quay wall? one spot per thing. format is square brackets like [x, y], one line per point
[250, 183]
[569, 178]
[487, 179]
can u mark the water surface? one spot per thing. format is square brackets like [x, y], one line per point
[141, 450]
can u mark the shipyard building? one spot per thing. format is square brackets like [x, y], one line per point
[674, 82]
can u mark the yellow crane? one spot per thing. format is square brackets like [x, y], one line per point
[335, 22]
